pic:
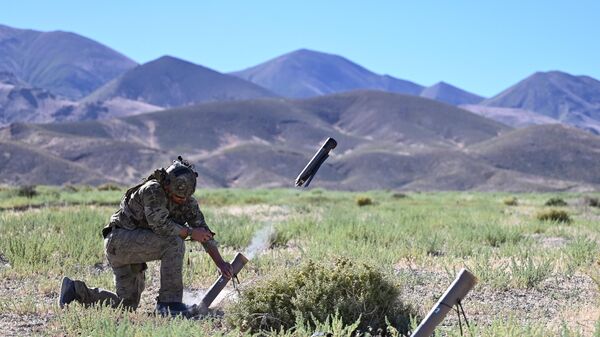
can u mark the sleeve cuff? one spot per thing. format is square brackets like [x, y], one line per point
[176, 228]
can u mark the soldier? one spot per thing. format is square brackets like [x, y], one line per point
[153, 221]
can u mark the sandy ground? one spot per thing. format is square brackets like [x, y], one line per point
[556, 300]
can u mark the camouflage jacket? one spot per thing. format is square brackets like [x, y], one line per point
[149, 207]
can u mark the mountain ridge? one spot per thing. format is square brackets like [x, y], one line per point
[306, 73]
[64, 63]
[555, 94]
[265, 142]
[450, 94]
[171, 82]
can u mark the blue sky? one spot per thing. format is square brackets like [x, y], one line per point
[480, 46]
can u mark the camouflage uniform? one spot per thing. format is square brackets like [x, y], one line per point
[145, 228]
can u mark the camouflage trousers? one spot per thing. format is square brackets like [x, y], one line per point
[127, 252]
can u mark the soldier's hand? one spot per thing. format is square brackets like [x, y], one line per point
[226, 269]
[201, 234]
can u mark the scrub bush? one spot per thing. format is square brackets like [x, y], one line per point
[315, 291]
[558, 202]
[554, 215]
[364, 201]
[591, 201]
[399, 195]
[27, 191]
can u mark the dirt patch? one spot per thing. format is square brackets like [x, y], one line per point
[23, 325]
[21, 312]
[3, 261]
[549, 241]
[260, 212]
[555, 300]
[583, 318]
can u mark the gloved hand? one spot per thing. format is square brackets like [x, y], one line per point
[201, 234]
[226, 269]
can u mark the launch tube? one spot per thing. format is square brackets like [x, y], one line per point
[313, 165]
[239, 261]
[457, 291]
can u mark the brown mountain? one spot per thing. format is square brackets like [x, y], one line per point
[385, 141]
[555, 151]
[24, 165]
[307, 73]
[402, 119]
[64, 63]
[437, 170]
[19, 102]
[517, 118]
[172, 82]
[450, 94]
[573, 100]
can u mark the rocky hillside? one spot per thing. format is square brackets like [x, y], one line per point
[20, 102]
[555, 151]
[172, 82]
[573, 100]
[517, 118]
[385, 141]
[63, 63]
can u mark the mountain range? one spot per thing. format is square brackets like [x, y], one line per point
[307, 73]
[573, 100]
[108, 119]
[402, 142]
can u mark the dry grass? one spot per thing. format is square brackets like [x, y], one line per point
[536, 278]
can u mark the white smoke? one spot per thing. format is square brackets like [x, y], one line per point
[193, 297]
[260, 241]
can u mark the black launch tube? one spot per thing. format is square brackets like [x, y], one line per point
[313, 165]
[457, 291]
[239, 261]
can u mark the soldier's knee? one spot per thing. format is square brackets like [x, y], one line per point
[176, 243]
[129, 281]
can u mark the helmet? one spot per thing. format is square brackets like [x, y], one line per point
[180, 179]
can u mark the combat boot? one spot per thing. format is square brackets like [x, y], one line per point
[173, 309]
[67, 292]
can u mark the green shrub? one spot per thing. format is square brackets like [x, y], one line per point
[495, 236]
[27, 191]
[591, 201]
[512, 201]
[399, 195]
[528, 273]
[557, 202]
[364, 201]
[554, 215]
[314, 291]
[581, 252]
